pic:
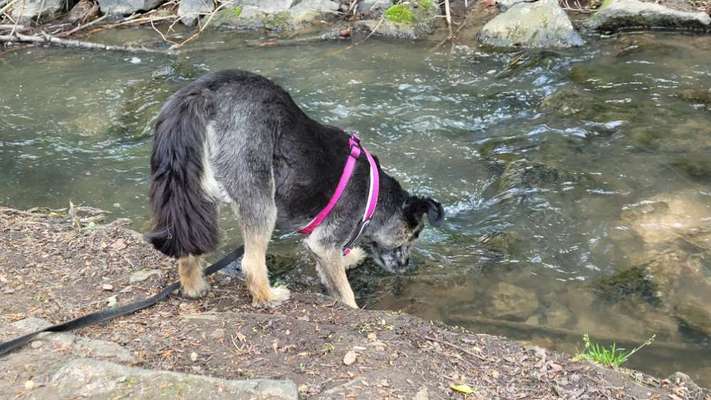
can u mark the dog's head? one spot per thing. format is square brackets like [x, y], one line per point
[391, 243]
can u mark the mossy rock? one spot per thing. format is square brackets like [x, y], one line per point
[628, 282]
[696, 96]
[695, 165]
[409, 20]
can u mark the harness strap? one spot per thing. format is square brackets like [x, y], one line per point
[354, 144]
[373, 191]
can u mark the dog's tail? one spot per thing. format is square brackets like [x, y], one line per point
[184, 217]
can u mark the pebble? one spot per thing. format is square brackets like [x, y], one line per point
[193, 356]
[36, 344]
[112, 301]
[107, 287]
[29, 385]
[350, 357]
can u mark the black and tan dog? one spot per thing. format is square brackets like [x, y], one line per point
[235, 137]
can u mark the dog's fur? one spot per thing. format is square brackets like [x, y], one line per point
[238, 138]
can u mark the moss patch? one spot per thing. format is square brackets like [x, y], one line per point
[631, 281]
[400, 13]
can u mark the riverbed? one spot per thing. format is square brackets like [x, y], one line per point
[576, 182]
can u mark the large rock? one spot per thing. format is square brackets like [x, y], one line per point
[127, 7]
[276, 15]
[190, 10]
[410, 20]
[26, 10]
[65, 366]
[539, 24]
[373, 8]
[86, 378]
[623, 14]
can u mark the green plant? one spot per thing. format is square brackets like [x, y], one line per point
[425, 4]
[237, 11]
[400, 13]
[608, 356]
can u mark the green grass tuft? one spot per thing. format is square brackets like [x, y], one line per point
[400, 13]
[237, 11]
[611, 356]
[425, 4]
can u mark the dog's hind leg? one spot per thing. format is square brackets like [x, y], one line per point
[192, 281]
[254, 263]
[331, 266]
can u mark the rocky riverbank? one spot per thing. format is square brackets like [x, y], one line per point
[54, 267]
[495, 23]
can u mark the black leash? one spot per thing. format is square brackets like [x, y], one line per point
[111, 313]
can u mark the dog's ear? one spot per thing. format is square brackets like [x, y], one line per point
[416, 207]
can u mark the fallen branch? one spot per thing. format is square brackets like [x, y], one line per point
[80, 27]
[45, 38]
[7, 6]
[448, 15]
[454, 346]
[202, 28]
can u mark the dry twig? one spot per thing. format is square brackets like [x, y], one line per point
[44, 38]
[454, 346]
[80, 27]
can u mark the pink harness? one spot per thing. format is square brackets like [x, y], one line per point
[356, 150]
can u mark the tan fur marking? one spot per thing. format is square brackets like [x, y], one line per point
[354, 258]
[254, 267]
[331, 266]
[192, 281]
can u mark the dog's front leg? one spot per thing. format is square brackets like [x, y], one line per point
[331, 266]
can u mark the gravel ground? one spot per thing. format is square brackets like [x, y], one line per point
[57, 267]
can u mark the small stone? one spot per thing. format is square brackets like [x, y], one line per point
[372, 336]
[29, 385]
[119, 244]
[112, 301]
[36, 344]
[142, 275]
[422, 394]
[107, 286]
[193, 356]
[350, 357]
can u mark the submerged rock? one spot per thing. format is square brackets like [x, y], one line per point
[190, 10]
[127, 7]
[539, 24]
[622, 14]
[512, 302]
[26, 10]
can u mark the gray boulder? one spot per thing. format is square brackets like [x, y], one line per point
[373, 7]
[414, 20]
[190, 10]
[26, 10]
[539, 24]
[127, 7]
[504, 5]
[623, 14]
[276, 15]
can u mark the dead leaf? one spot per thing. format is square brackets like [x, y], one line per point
[461, 388]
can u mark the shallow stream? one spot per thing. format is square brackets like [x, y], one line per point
[577, 183]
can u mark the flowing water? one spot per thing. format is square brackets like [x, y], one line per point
[577, 183]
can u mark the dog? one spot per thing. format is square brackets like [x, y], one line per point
[238, 138]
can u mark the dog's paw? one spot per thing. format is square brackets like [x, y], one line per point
[277, 296]
[195, 289]
[354, 258]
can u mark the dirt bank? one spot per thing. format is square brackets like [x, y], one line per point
[54, 268]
